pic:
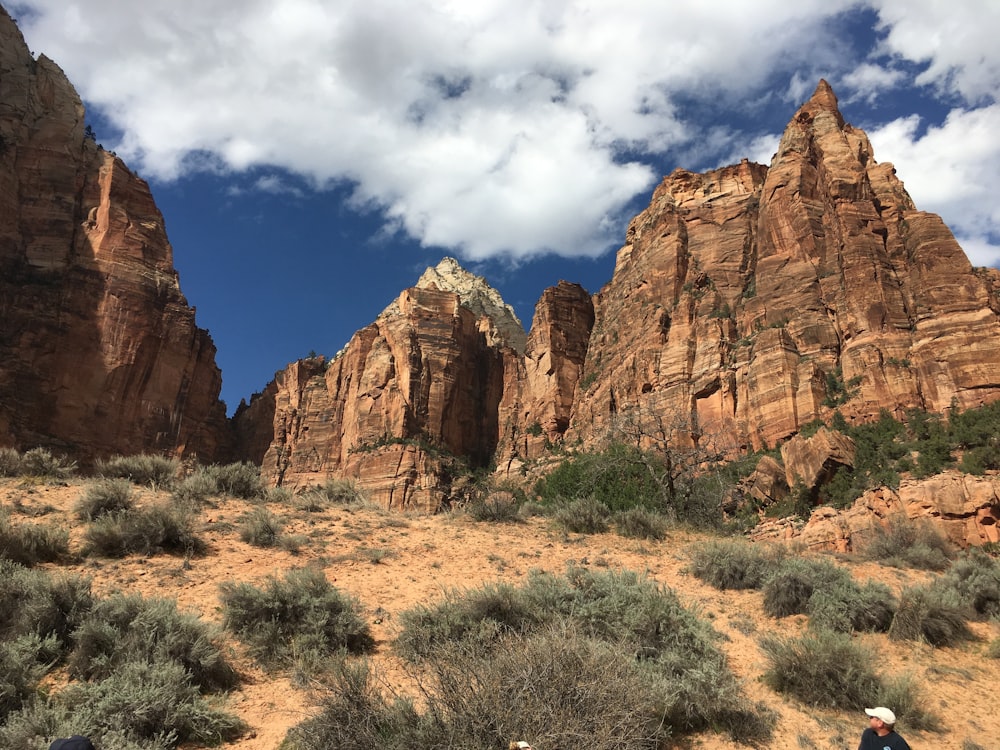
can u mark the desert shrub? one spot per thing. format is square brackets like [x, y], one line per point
[495, 507]
[24, 662]
[829, 595]
[41, 462]
[34, 602]
[128, 628]
[142, 469]
[972, 581]
[261, 528]
[282, 495]
[148, 702]
[694, 687]
[303, 612]
[847, 607]
[31, 543]
[10, 462]
[822, 668]
[908, 544]
[340, 491]
[195, 489]
[617, 477]
[789, 587]
[104, 497]
[993, 650]
[146, 531]
[641, 523]
[923, 615]
[908, 703]
[237, 479]
[586, 515]
[730, 564]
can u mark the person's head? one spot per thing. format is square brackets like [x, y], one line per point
[76, 742]
[520, 745]
[881, 719]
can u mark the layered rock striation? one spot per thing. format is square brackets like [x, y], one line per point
[99, 351]
[749, 301]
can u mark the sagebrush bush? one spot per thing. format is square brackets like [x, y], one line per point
[734, 564]
[147, 531]
[104, 497]
[237, 479]
[142, 701]
[41, 462]
[641, 523]
[10, 462]
[586, 515]
[31, 543]
[35, 602]
[906, 543]
[909, 703]
[23, 664]
[194, 490]
[128, 628]
[261, 528]
[495, 507]
[822, 668]
[973, 582]
[300, 613]
[789, 587]
[340, 491]
[695, 686]
[848, 607]
[142, 469]
[924, 615]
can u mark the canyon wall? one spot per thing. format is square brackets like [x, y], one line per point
[99, 350]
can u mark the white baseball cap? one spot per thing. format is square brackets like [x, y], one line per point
[883, 713]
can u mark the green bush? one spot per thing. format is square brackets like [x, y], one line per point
[729, 564]
[340, 491]
[10, 462]
[104, 497]
[495, 507]
[30, 543]
[301, 613]
[692, 683]
[237, 479]
[128, 628]
[195, 489]
[23, 664]
[261, 528]
[32, 602]
[908, 703]
[972, 582]
[148, 702]
[822, 668]
[829, 595]
[41, 462]
[143, 469]
[923, 615]
[146, 531]
[908, 544]
[618, 477]
[587, 515]
[641, 523]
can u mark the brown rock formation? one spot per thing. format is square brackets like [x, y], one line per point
[99, 352]
[749, 301]
[410, 395]
[964, 508]
[812, 461]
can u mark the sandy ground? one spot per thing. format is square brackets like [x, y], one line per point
[392, 561]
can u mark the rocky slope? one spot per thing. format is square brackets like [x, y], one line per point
[99, 351]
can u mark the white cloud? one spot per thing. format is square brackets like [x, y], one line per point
[868, 80]
[491, 128]
[951, 170]
[957, 41]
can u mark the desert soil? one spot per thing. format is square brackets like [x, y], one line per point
[393, 561]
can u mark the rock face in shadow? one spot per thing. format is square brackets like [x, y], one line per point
[749, 301]
[99, 351]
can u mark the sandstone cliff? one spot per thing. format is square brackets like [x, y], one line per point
[99, 351]
[749, 300]
[410, 403]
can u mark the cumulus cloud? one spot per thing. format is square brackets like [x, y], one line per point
[956, 42]
[495, 128]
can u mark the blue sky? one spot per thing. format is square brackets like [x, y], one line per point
[312, 157]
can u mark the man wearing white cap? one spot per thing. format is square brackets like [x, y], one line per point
[880, 734]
